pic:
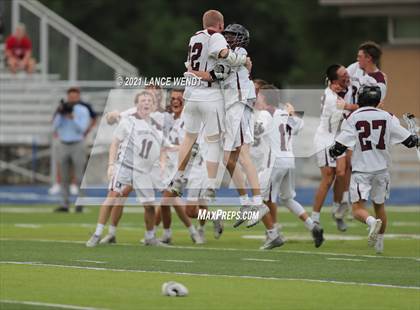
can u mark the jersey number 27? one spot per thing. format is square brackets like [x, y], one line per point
[364, 128]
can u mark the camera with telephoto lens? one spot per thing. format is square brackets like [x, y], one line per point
[65, 107]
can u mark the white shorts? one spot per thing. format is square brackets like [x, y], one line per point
[364, 184]
[209, 114]
[325, 160]
[281, 184]
[143, 183]
[239, 126]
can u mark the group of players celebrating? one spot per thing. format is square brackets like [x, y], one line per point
[231, 119]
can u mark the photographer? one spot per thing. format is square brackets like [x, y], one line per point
[71, 122]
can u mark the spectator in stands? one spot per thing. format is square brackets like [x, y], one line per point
[73, 95]
[71, 123]
[19, 51]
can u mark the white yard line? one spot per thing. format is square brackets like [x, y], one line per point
[230, 249]
[175, 261]
[44, 304]
[89, 261]
[212, 275]
[260, 260]
[347, 259]
[28, 225]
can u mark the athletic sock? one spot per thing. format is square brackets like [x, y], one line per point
[272, 233]
[244, 200]
[370, 220]
[167, 233]
[345, 197]
[257, 200]
[212, 183]
[315, 216]
[380, 237]
[192, 230]
[309, 224]
[149, 234]
[276, 226]
[99, 229]
[202, 227]
[112, 230]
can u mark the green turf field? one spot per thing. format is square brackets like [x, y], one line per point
[44, 264]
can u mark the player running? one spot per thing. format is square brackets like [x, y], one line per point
[277, 176]
[370, 132]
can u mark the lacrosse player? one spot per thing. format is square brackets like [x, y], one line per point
[371, 132]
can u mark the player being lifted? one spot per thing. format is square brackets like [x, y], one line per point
[204, 103]
[332, 109]
[239, 99]
[371, 132]
[277, 175]
[137, 144]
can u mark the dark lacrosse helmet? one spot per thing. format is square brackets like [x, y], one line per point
[369, 96]
[236, 35]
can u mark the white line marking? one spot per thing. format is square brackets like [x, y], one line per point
[175, 261]
[214, 275]
[28, 225]
[89, 261]
[228, 249]
[347, 259]
[260, 260]
[44, 304]
[307, 238]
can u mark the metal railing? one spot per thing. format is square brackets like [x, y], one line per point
[77, 38]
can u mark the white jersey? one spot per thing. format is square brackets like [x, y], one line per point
[360, 78]
[140, 143]
[371, 132]
[284, 128]
[331, 118]
[239, 83]
[203, 52]
[260, 149]
[161, 120]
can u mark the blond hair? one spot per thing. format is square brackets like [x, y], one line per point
[211, 18]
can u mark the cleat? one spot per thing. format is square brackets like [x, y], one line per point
[318, 235]
[341, 225]
[93, 241]
[62, 209]
[196, 238]
[379, 246]
[154, 242]
[108, 239]
[209, 195]
[241, 216]
[218, 228]
[176, 186]
[261, 211]
[201, 233]
[166, 240]
[272, 243]
[79, 209]
[373, 232]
